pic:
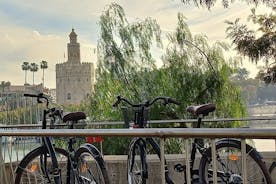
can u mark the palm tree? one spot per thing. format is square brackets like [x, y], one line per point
[25, 67]
[43, 66]
[33, 68]
[4, 84]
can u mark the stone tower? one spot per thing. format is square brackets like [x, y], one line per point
[74, 79]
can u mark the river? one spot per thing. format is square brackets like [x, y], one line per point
[15, 151]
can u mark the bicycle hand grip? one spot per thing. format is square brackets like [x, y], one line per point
[30, 95]
[171, 100]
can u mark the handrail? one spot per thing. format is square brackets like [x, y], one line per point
[243, 133]
[103, 123]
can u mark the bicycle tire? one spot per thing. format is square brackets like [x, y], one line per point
[272, 171]
[232, 155]
[90, 165]
[137, 172]
[30, 169]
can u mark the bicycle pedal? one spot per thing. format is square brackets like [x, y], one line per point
[179, 167]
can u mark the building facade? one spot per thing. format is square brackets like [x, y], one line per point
[74, 79]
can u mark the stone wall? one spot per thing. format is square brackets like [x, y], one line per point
[74, 82]
[117, 168]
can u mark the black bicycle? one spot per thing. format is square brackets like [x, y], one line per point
[137, 166]
[228, 158]
[49, 164]
[228, 153]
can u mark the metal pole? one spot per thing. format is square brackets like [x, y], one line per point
[244, 169]
[162, 158]
[275, 145]
[241, 133]
[3, 174]
[214, 160]
[187, 151]
[1, 162]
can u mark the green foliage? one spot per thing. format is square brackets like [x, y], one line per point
[124, 47]
[21, 115]
[127, 68]
[257, 44]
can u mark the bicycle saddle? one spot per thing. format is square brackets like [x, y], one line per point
[203, 109]
[74, 116]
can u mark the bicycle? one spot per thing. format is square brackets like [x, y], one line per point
[228, 155]
[137, 167]
[50, 164]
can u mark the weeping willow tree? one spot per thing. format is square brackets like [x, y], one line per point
[126, 67]
[199, 72]
[124, 51]
[193, 70]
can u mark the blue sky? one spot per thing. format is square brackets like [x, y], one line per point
[35, 30]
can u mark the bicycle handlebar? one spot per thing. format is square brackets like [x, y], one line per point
[30, 95]
[53, 112]
[39, 97]
[166, 100]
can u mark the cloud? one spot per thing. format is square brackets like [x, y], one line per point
[34, 30]
[19, 45]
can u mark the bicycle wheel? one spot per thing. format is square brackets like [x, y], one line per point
[36, 167]
[90, 166]
[272, 171]
[229, 165]
[136, 163]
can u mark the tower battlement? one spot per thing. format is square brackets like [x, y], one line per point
[74, 79]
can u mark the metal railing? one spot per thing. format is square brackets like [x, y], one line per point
[180, 121]
[162, 133]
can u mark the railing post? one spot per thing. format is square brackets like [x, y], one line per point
[244, 169]
[275, 145]
[187, 151]
[3, 175]
[162, 158]
[214, 160]
[1, 162]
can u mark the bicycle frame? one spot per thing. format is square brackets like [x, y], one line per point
[46, 142]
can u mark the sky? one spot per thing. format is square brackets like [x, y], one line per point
[35, 30]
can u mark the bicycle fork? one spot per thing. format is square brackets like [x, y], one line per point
[55, 167]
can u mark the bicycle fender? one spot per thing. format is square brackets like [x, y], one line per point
[92, 149]
[26, 156]
[238, 142]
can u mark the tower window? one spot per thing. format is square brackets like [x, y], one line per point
[68, 96]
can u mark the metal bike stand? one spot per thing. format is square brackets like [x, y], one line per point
[244, 169]
[214, 160]
[162, 158]
[187, 151]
